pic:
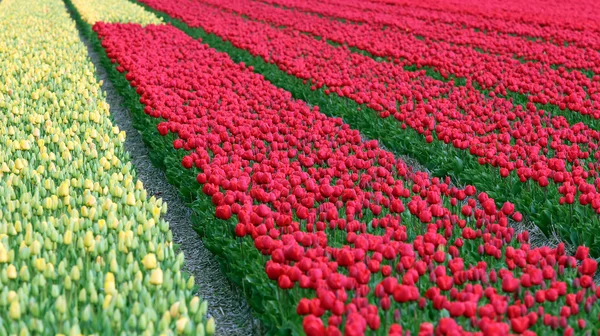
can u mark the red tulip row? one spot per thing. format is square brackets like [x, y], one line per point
[490, 42]
[530, 142]
[493, 71]
[352, 235]
[581, 15]
[584, 35]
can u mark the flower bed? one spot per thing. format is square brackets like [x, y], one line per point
[83, 248]
[350, 236]
[92, 11]
[455, 52]
[398, 25]
[538, 157]
[581, 32]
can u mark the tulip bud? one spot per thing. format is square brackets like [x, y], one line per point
[88, 240]
[160, 252]
[200, 329]
[75, 273]
[24, 274]
[182, 324]
[63, 190]
[149, 261]
[203, 308]
[132, 322]
[116, 320]
[54, 291]
[86, 315]
[130, 199]
[14, 312]
[210, 326]
[194, 304]
[82, 295]
[109, 283]
[75, 330]
[190, 283]
[93, 294]
[164, 321]
[40, 264]
[11, 272]
[3, 254]
[61, 304]
[174, 310]
[68, 283]
[24, 252]
[107, 301]
[143, 322]
[68, 237]
[157, 277]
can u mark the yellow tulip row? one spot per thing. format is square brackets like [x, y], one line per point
[83, 248]
[113, 11]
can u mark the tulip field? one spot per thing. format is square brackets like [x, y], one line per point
[356, 167]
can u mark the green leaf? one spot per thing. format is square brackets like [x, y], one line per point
[458, 165]
[574, 238]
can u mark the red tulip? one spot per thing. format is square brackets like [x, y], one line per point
[223, 212]
[313, 326]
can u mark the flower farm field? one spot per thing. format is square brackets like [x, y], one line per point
[355, 167]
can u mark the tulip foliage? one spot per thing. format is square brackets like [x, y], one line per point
[533, 150]
[352, 239]
[83, 248]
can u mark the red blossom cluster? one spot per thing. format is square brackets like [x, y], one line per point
[399, 32]
[525, 140]
[575, 16]
[377, 246]
[498, 71]
[580, 32]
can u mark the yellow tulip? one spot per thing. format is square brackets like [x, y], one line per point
[88, 240]
[181, 324]
[61, 304]
[149, 261]
[157, 277]
[68, 237]
[11, 272]
[210, 326]
[14, 311]
[130, 199]
[3, 254]
[109, 283]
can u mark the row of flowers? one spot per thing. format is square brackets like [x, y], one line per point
[374, 18]
[354, 239]
[83, 247]
[575, 17]
[583, 34]
[92, 11]
[524, 143]
[457, 56]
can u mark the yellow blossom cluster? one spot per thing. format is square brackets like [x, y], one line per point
[113, 11]
[83, 248]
